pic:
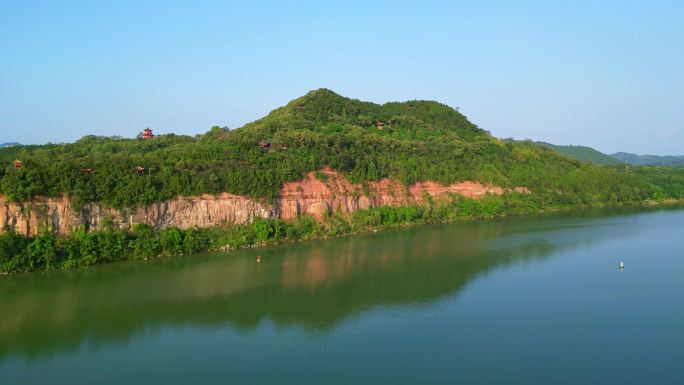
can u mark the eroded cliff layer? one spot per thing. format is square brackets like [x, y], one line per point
[319, 193]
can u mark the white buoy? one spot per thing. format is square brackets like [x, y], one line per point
[622, 265]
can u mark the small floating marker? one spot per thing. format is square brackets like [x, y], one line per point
[258, 258]
[622, 265]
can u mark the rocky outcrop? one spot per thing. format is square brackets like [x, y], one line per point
[318, 194]
[328, 191]
[59, 215]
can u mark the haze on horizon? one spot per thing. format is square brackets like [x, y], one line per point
[605, 75]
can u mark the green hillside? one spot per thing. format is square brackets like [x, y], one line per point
[421, 140]
[583, 154]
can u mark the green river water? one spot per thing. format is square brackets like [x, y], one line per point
[533, 300]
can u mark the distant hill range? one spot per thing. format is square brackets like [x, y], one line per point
[588, 154]
[9, 144]
[649, 160]
[584, 154]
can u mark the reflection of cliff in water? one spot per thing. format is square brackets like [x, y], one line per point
[314, 285]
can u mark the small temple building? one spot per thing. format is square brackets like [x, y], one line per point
[380, 125]
[147, 133]
[18, 164]
[264, 144]
[140, 170]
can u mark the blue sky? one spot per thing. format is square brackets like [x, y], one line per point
[608, 74]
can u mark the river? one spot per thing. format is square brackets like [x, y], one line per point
[528, 300]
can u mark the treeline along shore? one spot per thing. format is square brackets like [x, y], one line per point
[321, 166]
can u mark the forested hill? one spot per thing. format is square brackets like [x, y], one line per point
[584, 154]
[322, 109]
[410, 141]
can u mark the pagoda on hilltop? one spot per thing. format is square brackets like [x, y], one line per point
[147, 134]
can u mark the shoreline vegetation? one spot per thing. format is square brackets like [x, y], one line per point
[408, 142]
[19, 253]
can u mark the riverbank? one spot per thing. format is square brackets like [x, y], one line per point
[47, 251]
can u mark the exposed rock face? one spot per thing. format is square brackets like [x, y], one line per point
[309, 196]
[336, 194]
[59, 215]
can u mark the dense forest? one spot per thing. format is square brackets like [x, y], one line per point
[409, 141]
[419, 140]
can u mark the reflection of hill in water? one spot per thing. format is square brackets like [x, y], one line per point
[314, 285]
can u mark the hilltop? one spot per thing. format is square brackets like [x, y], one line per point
[323, 109]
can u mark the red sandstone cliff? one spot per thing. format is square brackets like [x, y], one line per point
[309, 196]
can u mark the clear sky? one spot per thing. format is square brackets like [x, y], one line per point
[609, 74]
